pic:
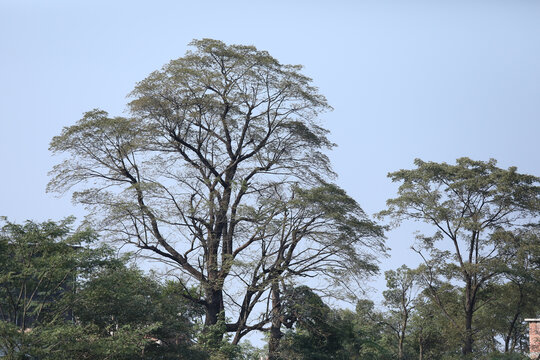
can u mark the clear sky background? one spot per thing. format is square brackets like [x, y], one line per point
[435, 80]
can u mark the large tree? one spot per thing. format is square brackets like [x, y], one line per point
[470, 204]
[219, 143]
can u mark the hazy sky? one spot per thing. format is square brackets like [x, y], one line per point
[435, 80]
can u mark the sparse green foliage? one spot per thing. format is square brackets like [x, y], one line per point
[471, 205]
[220, 147]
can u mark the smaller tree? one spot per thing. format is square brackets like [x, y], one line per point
[39, 264]
[469, 204]
[515, 296]
[399, 298]
[61, 299]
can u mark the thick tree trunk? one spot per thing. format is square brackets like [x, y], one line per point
[214, 314]
[275, 328]
[214, 299]
[214, 308]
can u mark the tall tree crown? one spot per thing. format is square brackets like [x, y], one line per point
[220, 171]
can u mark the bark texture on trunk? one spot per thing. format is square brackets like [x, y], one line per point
[214, 314]
[275, 328]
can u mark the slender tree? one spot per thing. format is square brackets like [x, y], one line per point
[399, 298]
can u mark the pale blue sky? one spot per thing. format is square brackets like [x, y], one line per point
[430, 79]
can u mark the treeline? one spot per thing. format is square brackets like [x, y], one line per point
[62, 296]
[220, 173]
